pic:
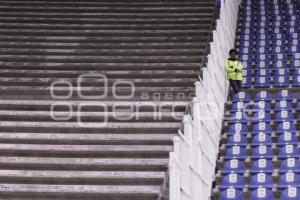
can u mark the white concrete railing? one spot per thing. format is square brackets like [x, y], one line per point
[192, 163]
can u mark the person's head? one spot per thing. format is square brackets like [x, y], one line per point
[233, 54]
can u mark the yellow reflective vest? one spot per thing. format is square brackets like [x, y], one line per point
[234, 70]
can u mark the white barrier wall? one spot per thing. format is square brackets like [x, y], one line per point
[192, 163]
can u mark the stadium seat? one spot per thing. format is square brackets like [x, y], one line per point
[291, 193]
[262, 152]
[288, 151]
[237, 140]
[242, 96]
[287, 138]
[261, 139]
[262, 127]
[263, 96]
[261, 116]
[261, 180]
[234, 166]
[262, 82]
[238, 106]
[288, 180]
[284, 116]
[281, 82]
[290, 164]
[262, 105]
[283, 105]
[233, 180]
[285, 127]
[238, 128]
[262, 194]
[235, 152]
[262, 165]
[231, 194]
[284, 95]
[238, 117]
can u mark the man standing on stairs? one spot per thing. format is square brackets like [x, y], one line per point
[234, 71]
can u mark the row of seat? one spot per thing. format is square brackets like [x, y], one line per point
[262, 139]
[291, 193]
[259, 153]
[261, 165]
[260, 180]
[286, 95]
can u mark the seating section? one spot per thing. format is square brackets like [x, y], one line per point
[269, 43]
[259, 152]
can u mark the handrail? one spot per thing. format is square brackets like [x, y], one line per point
[192, 163]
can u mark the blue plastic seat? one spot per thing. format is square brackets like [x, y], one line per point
[281, 72]
[279, 64]
[246, 82]
[231, 194]
[233, 180]
[298, 107]
[238, 128]
[262, 194]
[261, 139]
[291, 193]
[242, 96]
[296, 81]
[235, 152]
[263, 72]
[262, 127]
[237, 140]
[234, 166]
[262, 105]
[261, 116]
[262, 152]
[288, 180]
[262, 82]
[281, 81]
[287, 138]
[262, 165]
[279, 56]
[238, 106]
[285, 127]
[261, 180]
[262, 65]
[283, 105]
[263, 96]
[237, 117]
[284, 116]
[288, 151]
[284, 95]
[290, 164]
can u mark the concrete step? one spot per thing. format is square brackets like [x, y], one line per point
[81, 177]
[108, 68]
[101, 59]
[106, 39]
[119, 116]
[83, 164]
[90, 192]
[100, 51]
[103, 45]
[87, 139]
[15, 81]
[48, 72]
[86, 151]
[89, 127]
[86, 20]
[89, 105]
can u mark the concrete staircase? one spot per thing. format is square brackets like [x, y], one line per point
[140, 58]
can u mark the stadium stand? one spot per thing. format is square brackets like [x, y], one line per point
[101, 61]
[259, 152]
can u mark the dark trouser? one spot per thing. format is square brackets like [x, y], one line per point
[235, 85]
